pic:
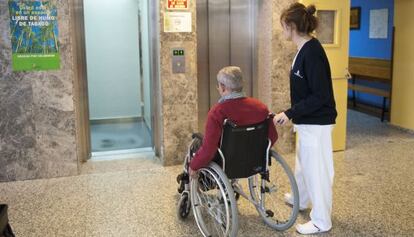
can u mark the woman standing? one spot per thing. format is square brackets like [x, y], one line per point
[313, 114]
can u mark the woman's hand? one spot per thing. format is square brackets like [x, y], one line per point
[280, 119]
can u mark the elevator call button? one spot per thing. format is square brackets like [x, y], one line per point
[178, 52]
[178, 60]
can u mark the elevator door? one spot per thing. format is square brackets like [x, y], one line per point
[118, 77]
[225, 36]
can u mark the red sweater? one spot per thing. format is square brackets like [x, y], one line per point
[242, 111]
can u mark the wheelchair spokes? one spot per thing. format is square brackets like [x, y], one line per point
[207, 203]
[206, 181]
[269, 195]
[215, 213]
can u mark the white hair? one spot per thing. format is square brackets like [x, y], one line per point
[231, 77]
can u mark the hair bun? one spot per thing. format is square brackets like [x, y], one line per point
[311, 9]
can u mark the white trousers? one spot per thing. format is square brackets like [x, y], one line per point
[314, 171]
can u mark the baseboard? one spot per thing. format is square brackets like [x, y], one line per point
[407, 130]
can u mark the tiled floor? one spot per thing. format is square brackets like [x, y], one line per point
[119, 135]
[373, 194]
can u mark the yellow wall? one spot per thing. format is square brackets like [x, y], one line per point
[402, 103]
[338, 59]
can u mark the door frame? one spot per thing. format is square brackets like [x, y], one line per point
[81, 100]
[338, 54]
[81, 106]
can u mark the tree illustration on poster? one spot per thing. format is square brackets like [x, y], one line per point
[34, 35]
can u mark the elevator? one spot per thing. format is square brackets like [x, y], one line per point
[226, 35]
[117, 70]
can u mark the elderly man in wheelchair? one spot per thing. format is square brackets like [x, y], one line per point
[238, 136]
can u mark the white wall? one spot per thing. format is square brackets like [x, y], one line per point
[146, 61]
[112, 54]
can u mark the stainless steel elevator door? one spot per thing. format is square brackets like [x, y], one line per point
[225, 36]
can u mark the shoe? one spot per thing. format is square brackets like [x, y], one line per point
[289, 201]
[308, 229]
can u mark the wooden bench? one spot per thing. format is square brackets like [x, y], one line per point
[369, 69]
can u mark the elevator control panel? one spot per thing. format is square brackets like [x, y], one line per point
[178, 60]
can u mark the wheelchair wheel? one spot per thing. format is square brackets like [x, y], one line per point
[269, 196]
[213, 203]
[183, 206]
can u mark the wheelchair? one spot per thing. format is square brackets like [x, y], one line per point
[244, 152]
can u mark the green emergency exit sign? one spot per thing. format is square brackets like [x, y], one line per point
[178, 52]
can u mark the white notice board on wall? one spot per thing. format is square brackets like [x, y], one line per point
[378, 24]
[177, 22]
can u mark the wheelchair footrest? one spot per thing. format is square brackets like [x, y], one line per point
[182, 179]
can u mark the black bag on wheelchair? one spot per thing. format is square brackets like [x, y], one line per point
[242, 161]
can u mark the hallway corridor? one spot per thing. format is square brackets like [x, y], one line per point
[373, 191]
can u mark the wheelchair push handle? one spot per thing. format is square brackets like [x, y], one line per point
[229, 122]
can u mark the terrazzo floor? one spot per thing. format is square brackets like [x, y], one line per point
[373, 194]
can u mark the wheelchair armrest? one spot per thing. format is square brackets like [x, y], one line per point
[197, 135]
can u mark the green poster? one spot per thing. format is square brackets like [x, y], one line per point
[34, 35]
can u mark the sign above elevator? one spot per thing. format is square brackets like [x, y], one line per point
[177, 4]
